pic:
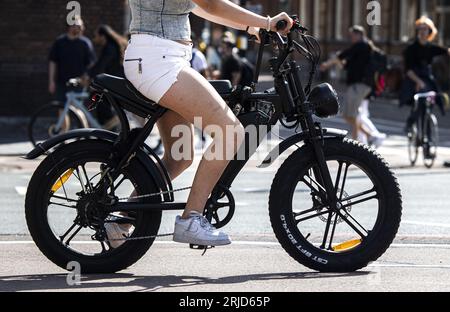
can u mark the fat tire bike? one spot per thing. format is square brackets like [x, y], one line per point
[424, 133]
[335, 206]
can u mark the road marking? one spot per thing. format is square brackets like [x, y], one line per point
[21, 190]
[431, 224]
[406, 265]
[239, 243]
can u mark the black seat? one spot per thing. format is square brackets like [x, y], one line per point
[223, 87]
[122, 87]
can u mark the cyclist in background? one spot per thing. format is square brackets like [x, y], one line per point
[70, 57]
[418, 58]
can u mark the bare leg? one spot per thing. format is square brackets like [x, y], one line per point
[192, 96]
[354, 124]
[165, 126]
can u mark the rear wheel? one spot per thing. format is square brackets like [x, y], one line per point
[43, 124]
[368, 215]
[67, 219]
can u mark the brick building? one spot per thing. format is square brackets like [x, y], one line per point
[28, 28]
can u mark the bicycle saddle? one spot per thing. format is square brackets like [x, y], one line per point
[124, 88]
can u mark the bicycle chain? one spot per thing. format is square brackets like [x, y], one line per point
[126, 239]
[155, 194]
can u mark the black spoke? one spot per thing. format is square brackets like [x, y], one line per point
[311, 217]
[338, 178]
[119, 183]
[61, 238]
[321, 194]
[88, 183]
[315, 182]
[64, 198]
[363, 200]
[327, 230]
[333, 231]
[298, 214]
[343, 217]
[83, 187]
[63, 205]
[67, 243]
[344, 180]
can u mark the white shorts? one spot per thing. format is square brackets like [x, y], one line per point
[152, 64]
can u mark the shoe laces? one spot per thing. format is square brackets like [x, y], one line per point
[204, 223]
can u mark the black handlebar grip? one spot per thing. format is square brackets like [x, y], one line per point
[281, 25]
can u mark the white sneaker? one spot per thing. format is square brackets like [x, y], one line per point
[378, 140]
[117, 231]
[198, 231]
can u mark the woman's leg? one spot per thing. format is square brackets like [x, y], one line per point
[192, 96]
[171, 119]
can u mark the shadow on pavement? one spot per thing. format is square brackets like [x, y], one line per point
[122, 282]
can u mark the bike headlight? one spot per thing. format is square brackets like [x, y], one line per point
[324, 100]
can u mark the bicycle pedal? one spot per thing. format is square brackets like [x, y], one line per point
[200, 247]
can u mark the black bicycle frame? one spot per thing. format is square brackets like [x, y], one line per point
[289, 102]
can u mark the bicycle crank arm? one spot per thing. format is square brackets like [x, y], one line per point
[130, 207]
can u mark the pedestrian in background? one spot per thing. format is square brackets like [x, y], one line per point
[356, 60]
[113, 47]
[234, 68]
[110, 62]
[198, 61]
[71, 56]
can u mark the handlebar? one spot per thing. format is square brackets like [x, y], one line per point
[281, 25]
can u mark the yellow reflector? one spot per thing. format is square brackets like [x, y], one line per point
[347, 245]
[62, 180]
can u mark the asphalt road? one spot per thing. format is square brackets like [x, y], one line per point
[419, 260]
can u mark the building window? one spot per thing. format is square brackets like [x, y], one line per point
[317, 16]
[338, 20]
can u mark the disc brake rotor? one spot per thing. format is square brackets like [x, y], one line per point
[345, 212]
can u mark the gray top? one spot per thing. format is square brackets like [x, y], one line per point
[167, 19]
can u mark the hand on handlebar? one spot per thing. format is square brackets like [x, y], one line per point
[254, 32]
[281, 17]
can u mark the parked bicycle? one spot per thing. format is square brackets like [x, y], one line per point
[334, 204]
[424, 133]
[58, 118]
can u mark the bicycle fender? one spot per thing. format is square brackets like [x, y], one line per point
[328, 133]
[44, 147]
[152, 164]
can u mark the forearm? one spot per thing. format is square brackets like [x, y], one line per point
[218, 19]
[52, 71]
[333, 62]
[412, 75]
[231, 14]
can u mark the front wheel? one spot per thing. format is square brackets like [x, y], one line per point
[430, 146]
[48, 122]
[368, 212]
[413, 145]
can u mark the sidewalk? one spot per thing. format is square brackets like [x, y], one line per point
[14, 139]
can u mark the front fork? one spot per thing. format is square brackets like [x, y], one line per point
[293, 90]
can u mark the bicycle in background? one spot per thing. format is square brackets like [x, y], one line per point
[57, 118]
[424, 133]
